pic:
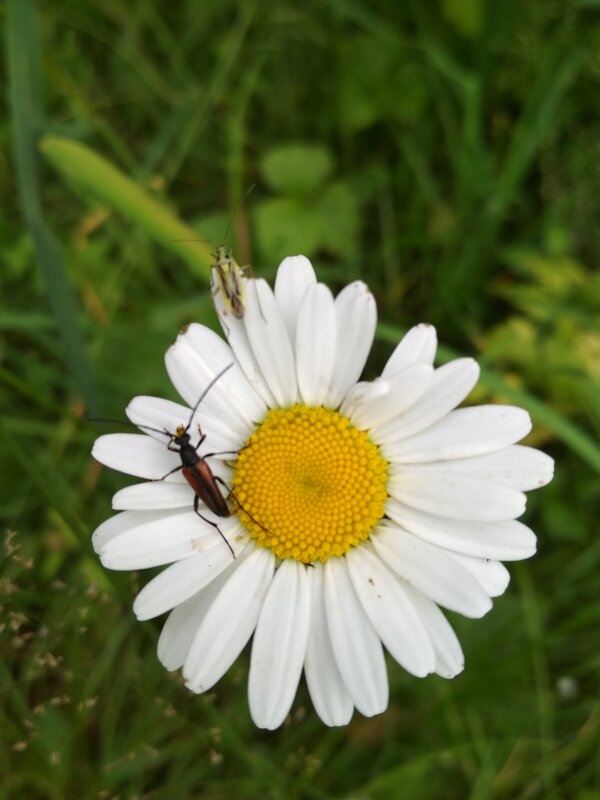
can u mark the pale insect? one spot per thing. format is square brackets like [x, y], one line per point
[228, 276]
[228, 280]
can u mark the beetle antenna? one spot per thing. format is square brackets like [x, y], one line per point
[205, 392]
[256, 522]
[107, 419]
[164, 432]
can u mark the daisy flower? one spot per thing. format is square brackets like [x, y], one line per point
[359, 509]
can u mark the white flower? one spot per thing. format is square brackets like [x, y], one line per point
[366, 506]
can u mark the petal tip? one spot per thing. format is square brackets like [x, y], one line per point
[448, 673]
[298, 262]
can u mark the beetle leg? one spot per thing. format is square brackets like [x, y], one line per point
[220, 453]
[210, 522]
[175, 469]
[201, 439]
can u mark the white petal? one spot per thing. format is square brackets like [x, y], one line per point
[164, 415]
[271, 345]
[431, 570]
[330, 698]
[156, 412]
[237, 337]
[227, 400]
[391, 612]
[229, 622]
[520, 467]
[463, 433]
[209, 346]
[316, 344]
[417, 347]
[356, 320]
[491, 575]
[115, 526]
[179, 630]
[180, 581]
[457, 496]
[508, 540]
[279, 646]
[184, 621]
[371, 404]
[356, 646]
[449, 386]
[153, 495]
[449, 659]
[167, 539]
[294, 276]
[236, 389]
[523, 468]
[136, 454]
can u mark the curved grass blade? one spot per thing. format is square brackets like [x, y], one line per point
[97, 177]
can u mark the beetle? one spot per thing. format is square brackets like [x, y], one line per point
[195, 467]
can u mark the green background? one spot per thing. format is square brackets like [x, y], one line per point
[445, 152]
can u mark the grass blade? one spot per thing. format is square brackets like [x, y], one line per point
[25, 99]
[97, 177]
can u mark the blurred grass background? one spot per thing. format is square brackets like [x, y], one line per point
[446, 153]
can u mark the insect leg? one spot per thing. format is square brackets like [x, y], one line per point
[237, 502]
[175, 469]
[221, 453]
[210, 522]
[201, 439]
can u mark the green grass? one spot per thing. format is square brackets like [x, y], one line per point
[446, 153]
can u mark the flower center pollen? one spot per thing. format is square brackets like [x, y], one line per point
[311, 484]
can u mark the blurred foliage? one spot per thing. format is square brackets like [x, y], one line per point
[311, 215]
[553, 336]
[446, 153]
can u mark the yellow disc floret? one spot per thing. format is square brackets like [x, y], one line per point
[311, 484]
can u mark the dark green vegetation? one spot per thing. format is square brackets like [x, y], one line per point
[445, 152]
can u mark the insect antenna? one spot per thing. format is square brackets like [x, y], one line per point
[174, 241]
[235, 211]
[163, 432]
[205, 392]
[229, 223]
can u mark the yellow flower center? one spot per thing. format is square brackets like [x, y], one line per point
[311, 484]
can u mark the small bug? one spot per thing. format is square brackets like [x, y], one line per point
[195, 467]
[228, 279]
[227, 275]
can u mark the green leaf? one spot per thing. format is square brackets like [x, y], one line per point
[338, 217]
[378, 83]
[465, 15]
[285, 227]
[296, 169]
